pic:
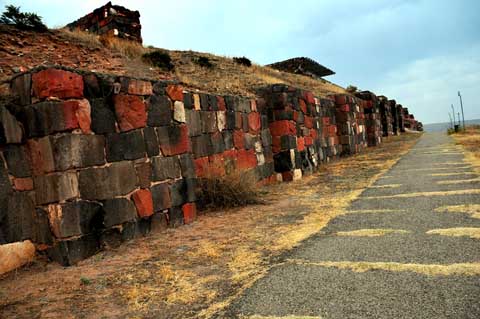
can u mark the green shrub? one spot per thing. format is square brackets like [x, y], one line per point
[22, 20]
[204, 62]
[243, 61]
[159, 59]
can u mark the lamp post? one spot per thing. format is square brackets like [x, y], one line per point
[461, 105]
[451, 123]
[453, 114]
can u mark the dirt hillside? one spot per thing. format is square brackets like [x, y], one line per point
[21, 50]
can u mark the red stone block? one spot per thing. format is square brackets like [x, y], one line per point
[332, 130]
[303, 106]
[309, 97]
[201, 166]
[287, 176]
[23, 184]
[41, 153]
[177, 141]
[341, 99]
[76, 113]
[276, 144]
[175, 92]
[344, 108]
[284, 127]
[138, 87]
[57, 83]
[308, 141]
[221, 103]
[189, 212]
[230, 154]
[326, 120]
[144, 203]
[239, 139]
[300, 144]
[308, 121]
[254, 122]
[131, 111]
[246, 159]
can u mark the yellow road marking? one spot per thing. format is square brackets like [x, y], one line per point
[465, 269]
[419, 194]
[472, 209]
[459, 181]
[472, 232]
[373, 232]
[386, 186]
[374, 211]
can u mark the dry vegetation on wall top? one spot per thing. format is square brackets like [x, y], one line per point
[21, 50]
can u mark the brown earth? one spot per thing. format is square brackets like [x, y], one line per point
[195, 271]
[22, 50]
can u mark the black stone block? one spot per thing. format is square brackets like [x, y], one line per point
[218, 145]
[143, 226]
[70, 252]
[77, 151]
[42, 233]
[194, 122]
[188, 101]
[245, 122]
[202, 145]
[175, 216]
[151, 141]
[212, 103]
[266, 138]
[125, 146]
[17, 159]
[113, 237]
[250, 141]
[103, 116]
[79, 218]
[161, 197]
[19, 219]
[159, 111]
[187, 165]
[179, 192]
[283, 162]
[204, 106]
[288, 142]
[165, 168]
[230, 115]
[208, 121]
[118, 211]
[228, 139]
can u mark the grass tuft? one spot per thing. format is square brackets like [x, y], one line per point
[233, 190]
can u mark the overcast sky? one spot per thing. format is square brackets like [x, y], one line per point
[417, 52]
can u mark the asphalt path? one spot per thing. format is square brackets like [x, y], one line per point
[408, 200]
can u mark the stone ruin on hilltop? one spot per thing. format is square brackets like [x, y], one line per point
[111, 21]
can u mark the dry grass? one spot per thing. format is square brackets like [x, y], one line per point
[472, 209]
[460, 269]
[196, 271]
[371, 232]
[472, 232]
[428, 194]
[81, 37]
[237, 189]
[470, 142]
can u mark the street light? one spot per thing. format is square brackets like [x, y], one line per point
[453, 113]
[461, 105]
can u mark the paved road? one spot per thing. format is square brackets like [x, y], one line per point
[302, 285]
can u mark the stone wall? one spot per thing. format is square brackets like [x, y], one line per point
[88, 161]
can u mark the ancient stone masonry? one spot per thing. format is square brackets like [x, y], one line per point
[373, 122]
[111, 21]
[350, 119]
[302, 128]
[89, 160]
[386, 116]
